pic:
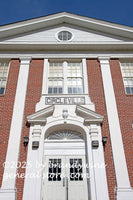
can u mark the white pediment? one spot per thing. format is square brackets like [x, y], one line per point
[65, 18]
[88, 33]
[89, 115]
[50, 36]
[41, 115]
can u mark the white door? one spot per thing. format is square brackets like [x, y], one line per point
[65, 178]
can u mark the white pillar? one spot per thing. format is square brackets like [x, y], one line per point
[98, 164]
[124, 190]
[45, 77]
[33, 175]
[8, 191]
[85, 76]
[90, 170]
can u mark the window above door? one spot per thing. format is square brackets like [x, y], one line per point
[65, 77]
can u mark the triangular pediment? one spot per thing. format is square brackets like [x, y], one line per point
[89, 115]
[41, 115]
[50, 35]
[40, 33]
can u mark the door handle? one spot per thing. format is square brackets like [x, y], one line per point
[66, 188]
[63, 181]
[67, 182]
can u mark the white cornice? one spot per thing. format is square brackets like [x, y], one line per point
[64, 17]
[66, 46]
[89, 115]
[40, 117]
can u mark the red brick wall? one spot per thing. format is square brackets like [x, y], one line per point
[97, 97]
[34, 89]
[6, 110]
[125, 112]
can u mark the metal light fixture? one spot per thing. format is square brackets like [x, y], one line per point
[35, 145]
[104, 140]
[95, 144]
[26, 141]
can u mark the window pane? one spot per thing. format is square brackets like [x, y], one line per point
[127, 73]
[50, 90]
[55, 70]
[3, 76]
[2, 90]
[54, 169]
[127, 90]
[55, 86]
[75, 86]
[76, 170]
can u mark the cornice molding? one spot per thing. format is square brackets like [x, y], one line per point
[40, 117]
[64, 17]
[90, 117]
[88, 46]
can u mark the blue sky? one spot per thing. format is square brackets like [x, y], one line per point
[117, 11]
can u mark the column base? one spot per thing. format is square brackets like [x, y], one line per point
[7, 194]
[124, 193]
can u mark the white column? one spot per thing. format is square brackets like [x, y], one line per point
[91, 177]
[65, 77]
[85, 76]
[33, 175]
[124, 190]
[45, 77]
[98, 164]
[8, 191]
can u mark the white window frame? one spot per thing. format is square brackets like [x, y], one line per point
[4, 77]
[46, 72]
[127, 76]
[84, 76]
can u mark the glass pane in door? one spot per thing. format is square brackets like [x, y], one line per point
[76, 169]
[54, 170]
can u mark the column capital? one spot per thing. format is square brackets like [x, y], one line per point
[104, 60]
[25, 60]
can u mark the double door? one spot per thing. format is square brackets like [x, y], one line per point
[65, 178]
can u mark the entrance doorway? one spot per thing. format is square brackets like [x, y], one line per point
[66, 178]
[65, 174]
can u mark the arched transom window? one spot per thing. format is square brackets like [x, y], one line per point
[65, 135]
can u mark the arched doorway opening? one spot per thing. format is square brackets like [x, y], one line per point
[65, 173]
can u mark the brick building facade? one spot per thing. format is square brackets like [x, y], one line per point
[66, 85]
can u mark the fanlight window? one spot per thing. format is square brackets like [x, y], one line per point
[65, 135]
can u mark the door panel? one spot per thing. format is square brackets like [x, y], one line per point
[77, 184]
[66, 178]
[53, 178]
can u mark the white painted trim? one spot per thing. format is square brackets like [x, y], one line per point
[45, 46]
[85, 77]
[45, 77]
[33, 175]
[120, 165]
[16, 128]
[62, 55]
[32, 187]
[64, 77]
[100, 179]
[64, 17]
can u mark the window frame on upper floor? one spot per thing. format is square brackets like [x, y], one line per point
[127, 75]
[4, 71]
[46, 72]
[67, 77]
